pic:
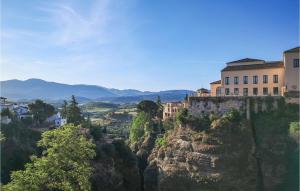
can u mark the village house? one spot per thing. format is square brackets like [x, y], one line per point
[170, 109]
[254, 77]
[22, 111]
[203, 92]
[56, 120]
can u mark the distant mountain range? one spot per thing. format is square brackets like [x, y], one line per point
[36, 88]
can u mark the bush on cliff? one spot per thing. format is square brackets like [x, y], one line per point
[139, 126]
[162, 141]
[200, 123]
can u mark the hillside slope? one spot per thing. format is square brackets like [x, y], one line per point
[36, 88]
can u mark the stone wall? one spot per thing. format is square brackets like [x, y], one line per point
[199, 106]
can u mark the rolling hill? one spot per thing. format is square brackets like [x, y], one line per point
[37, 88]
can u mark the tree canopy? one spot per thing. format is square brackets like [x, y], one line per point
[6, 112]
[148, 107]
[40, 110]
[64, 164]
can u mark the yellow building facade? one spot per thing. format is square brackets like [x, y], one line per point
[253, 77]
[171, 109]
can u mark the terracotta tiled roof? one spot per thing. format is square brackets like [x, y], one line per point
[266, 65]
[245, 60]
[216, 82]
[296, 49]
[203, 90]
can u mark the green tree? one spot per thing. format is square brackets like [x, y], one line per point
[148, 107]
[74, 114]
[160, 108]
[6, 112]
[2, 137]
[19, 145]
[182, 116]
[40, 110]
[65, 163]
[64, 111]
[138, 127]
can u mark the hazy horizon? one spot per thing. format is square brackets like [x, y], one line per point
[144, 45]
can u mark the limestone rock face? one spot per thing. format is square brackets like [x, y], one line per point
[223, 158]
[219, 159]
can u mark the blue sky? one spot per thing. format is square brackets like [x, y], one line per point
[146, 45]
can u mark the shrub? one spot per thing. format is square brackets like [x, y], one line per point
[139, 125]
[162, 141]
[182, 116]
[232, 115]
[294, 127]
[168, 124]
[96, 132]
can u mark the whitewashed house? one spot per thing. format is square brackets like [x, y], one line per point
[22, 111]
[57, 120]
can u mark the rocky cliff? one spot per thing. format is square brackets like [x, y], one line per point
[232, 154]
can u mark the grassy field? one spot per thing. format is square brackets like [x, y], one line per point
[115, 118]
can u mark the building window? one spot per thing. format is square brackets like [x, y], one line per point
[236, 80]
[275, 91]
[227, 80]
[265, 79]
[255, 79]
[265, 91]
[245, 91]
[255, 91]
[275, 78]
[296, 63]
[245, 79]
[218, 91]
[236, 91]
[227, 92]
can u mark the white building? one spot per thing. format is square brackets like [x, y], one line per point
[57, 120]
[22, 111]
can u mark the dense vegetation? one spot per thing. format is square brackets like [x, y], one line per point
[41, 111]
[277, 135]
[18, 144]
[146, 122]
[64, 164]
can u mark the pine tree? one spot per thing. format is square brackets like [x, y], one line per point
[74, 114]
[160, 108]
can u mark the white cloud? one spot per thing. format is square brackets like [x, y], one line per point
[101, 23]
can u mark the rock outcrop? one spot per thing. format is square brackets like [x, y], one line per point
[218, 159]
[222, 153]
